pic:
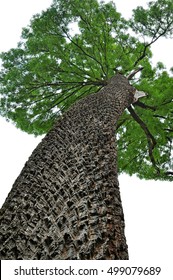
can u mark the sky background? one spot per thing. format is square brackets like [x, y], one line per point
[147, 205]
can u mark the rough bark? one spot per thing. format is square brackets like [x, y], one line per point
[66, 203]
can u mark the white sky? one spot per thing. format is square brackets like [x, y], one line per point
[147, 205]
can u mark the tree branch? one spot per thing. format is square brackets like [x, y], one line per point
[154, 39]
[61, 84]
[131, 75]
[83, 51]
[150, 138]
[168, 129]
[169, 173]
[144, 106]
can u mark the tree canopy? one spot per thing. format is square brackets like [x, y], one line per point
[71, 50]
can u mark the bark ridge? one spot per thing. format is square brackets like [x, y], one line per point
[66, 203]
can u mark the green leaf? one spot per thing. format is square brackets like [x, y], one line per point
[71, 50]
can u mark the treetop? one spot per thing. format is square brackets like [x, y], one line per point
[71, 50]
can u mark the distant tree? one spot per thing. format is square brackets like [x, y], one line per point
[69, 77]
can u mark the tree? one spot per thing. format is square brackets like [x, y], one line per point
[66, 204]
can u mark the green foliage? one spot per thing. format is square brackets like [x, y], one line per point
[70, 51]
[53, 65]
[155, 21]
[134, 144]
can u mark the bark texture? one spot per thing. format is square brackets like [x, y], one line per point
[66, 203]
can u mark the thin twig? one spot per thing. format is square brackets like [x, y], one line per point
[154, 39]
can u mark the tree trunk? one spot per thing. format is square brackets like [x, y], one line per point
[66, 203]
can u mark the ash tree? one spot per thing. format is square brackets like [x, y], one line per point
[77, 75]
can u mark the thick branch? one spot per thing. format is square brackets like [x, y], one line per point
[169, 173]
[131, 75]
[144, 106]
[150, 138]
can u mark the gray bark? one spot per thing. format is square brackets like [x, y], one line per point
[66, 202]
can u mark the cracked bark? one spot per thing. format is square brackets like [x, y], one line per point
[66, 202]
